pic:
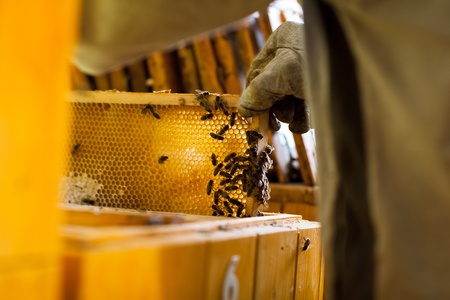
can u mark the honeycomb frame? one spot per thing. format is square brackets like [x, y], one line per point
[153, 151]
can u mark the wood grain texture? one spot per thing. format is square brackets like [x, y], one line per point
[275, 263]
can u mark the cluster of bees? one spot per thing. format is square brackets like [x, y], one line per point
[247, 172]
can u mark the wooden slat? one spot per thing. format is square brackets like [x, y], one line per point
[164, 71]
[247, 48]
[207, 65]
[275, 263]
[189, 71]
[79, 80]
[306, 158]
[264, 23]
[138, 77]
[279, 160]
[141, 267]
[307, 211]
[119, 80]
[294, 192]
[144, 98]
[221, 247]
[102, 82]
[228, 65]
[309, 265]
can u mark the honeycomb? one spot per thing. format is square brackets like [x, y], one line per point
[159, 157]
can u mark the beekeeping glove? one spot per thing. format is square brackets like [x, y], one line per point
[275, 81]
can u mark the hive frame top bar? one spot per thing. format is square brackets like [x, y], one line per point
[113, 96]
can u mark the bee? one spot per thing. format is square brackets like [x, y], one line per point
[268, 149]
[237, 178]
[225, 181]
[201, 94]
[227, 206]
[207, 116]
[229, 165]
[216, 136]
[225, 174]
[224, 194]
[253, 137]
[250, 191]
[223, 129]
[240, 158]
[217, 209]
[209, 187]
[306, 244]
[217, 169]
[214, 159]
[216, 197]
[236, 202]
[252, 151]
[231, 188]
[202, 97]
[240, 211]
[219, 103]
[88, 201]
[232, 119]
[234, 169]
[75, 148]
[229, 156]
[162, 159]
[150, 108]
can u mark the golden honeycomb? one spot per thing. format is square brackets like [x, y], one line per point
[128, 154]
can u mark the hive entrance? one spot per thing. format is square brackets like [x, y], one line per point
[123, 155]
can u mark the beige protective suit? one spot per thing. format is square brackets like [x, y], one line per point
[117, 32]
[379, 74]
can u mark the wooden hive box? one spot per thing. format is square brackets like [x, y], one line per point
[121, 254]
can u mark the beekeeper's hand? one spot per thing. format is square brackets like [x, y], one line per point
[275, 81]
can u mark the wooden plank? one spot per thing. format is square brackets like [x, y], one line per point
[264, 23]
[164, 71]
[78, 79]
[307, 211]
[275, 263]
[294, 192]
[207, 65]
[274, 207]
[278, 156]
[309, 263]
[222, 246]
[102, 82]
[144, 98]
[119, 80]
[185, 224]
[227, 62]
[247, 48]
[138, 76]
[189, 70]
[142, 267]
[306, 157]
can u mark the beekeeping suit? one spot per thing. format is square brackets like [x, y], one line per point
[378, 83]
[114, 33]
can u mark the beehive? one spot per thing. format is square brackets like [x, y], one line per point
[124, 153]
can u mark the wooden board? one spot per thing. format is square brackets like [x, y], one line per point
[191, 260]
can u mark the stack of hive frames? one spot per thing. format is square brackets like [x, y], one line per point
[115, 150]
